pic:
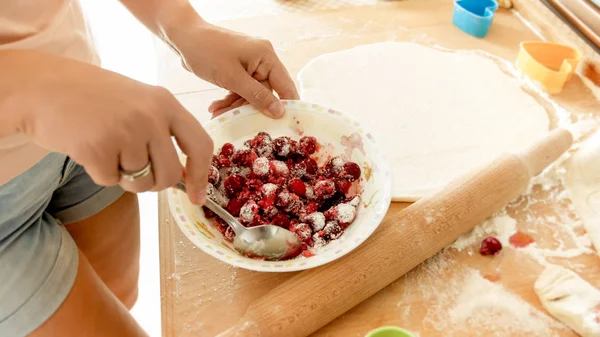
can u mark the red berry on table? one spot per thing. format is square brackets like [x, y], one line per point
[311, 166]
[298, 187]
[351, 171]
[490, 246]
[520, 240]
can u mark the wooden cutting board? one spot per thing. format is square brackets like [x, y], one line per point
[202, 296]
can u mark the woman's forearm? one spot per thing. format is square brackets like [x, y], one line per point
[18, 69]
[164, 17]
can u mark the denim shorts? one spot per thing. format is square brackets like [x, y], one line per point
[38, 257]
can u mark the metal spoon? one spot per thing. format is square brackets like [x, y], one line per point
[268, 241]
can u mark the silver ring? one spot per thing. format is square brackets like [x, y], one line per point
[133, 175]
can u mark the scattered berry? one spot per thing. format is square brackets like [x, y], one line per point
[520, 240]
[490, 246]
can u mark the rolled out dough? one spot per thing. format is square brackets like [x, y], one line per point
[583, 181]
[570, 299]
[437, 114]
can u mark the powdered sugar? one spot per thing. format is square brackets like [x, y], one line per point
[501, 226]
[268, 189]
[280, 167]
[317, 220]
[260, 167]
[346, 213]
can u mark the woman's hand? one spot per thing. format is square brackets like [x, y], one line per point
[248, 67]
[107, 123]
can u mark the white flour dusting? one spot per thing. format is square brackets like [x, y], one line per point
[460, 300]
[501, 226]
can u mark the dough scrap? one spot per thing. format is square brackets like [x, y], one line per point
[570, 299]
[436, 114]
[583, 181]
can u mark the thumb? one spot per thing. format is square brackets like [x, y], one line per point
[257, 94]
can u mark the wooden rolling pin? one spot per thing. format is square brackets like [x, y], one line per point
[313, 298]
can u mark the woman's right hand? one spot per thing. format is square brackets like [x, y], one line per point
[107, 122]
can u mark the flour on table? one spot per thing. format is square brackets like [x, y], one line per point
[460, 300]
[583, 181]
[437, 114]
[570, 299]
[500, 226]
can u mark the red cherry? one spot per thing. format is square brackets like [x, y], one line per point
[234, 184]
[351, 171]
[208, 213]
[324, 189]
[227, 150]
[298, 186]
[281, 220]
[213, 175]
[234, 206]
[311, 207]
[311, 166]
[282, 146]
[490, 246]
[307, 146]
[343, 185]
[254, 184]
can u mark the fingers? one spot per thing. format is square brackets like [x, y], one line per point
[198, 146]
[167, 168]
[257, 94]
[223, 103]
[238, 103]
[278, 78]
[135, 158]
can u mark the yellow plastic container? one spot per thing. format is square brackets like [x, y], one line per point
[549, 64]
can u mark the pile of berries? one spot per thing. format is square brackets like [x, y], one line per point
[277, 182]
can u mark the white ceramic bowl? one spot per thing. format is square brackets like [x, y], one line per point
[334, 131]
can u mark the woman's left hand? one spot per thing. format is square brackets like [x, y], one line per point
[248, 67]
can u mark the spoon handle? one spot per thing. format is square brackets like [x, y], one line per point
[213, 206]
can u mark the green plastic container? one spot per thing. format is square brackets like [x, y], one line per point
[389, 331]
